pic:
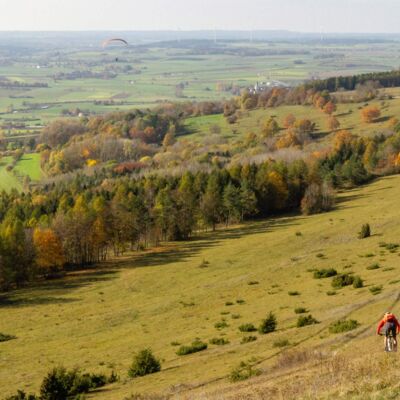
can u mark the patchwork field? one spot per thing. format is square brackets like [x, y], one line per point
[207, 288]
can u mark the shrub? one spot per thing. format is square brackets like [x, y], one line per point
[240, 301]
[300, 310]
[4, 337]
[229, 303]
[174, 343]
[221, 324]
[376, 289]
[58, 382]
[22, 396]
[144, 363]
[324, 273]
[248, 339]
[195, 347]
[373, 266]
[235, 316]
[331, 293]
[219, 341]
[281, 343]
[247, 328]
[268, 325]
[358, 282]
[343, 326]
[294, 293]
[342, 280]
[365, 231]
[305, 320]
[253, 283]
[244, 371]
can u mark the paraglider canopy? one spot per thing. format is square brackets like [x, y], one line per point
[113, 40]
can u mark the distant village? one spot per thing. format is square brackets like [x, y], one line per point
[262, 86]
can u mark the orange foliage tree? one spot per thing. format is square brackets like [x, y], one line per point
[49, 250]
[369, 114]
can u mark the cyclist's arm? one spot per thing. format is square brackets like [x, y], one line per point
[380, 327]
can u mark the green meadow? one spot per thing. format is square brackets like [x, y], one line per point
[206, 288]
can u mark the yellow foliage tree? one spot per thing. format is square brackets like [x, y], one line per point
[49, 251]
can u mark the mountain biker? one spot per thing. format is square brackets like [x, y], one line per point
[390, 325]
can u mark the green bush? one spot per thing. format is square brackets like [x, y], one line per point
[300, 310]
[247, 328]
[219, 341]
[342, 280]
[365, 231]
[324, 273]
[229, 303]
[376, 289]
[221, 324]
[57, 384]
[373, 266]
[253, 283]
[305, 320]
[248, 339]
[21, 395]
[144, 363]
[281, 343]
[358, 282]
[4, 337]
[240, 301]
[235, 316]
[331, 293]
[195, 347]
[294, 293]
[343, 326]
[244, 371]
[268, 325]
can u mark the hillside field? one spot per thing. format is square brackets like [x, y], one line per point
[97, 319]
[29, 165]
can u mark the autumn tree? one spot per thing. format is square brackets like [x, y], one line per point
[333, 123]
[370, 113]
[289, 121]
[329, 108]
[49, 251]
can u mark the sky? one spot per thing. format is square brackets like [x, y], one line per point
[295, 15]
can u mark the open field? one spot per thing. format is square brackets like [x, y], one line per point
[28, 165]
[82, 75]
[98, 319]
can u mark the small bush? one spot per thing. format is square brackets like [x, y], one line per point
[373, 266]
[376, 289]
[358, 282]
[243, 371]
[305, 320]
[299, 234]
[365, 231]
[204, 264]
[221, 324]
[21, 395]
[195, 347]
[240, 301]
[268, 325]
[143, 364]
[248, 339]
[281, 343]
[324, 273]
[343, 326]
[342, 280]
[219, 341]
[300, 310]
[175, 343]
[5, 338]
[229, 303]
[235, 316]
[331, 293]
[247, 328]
[253, 283]
[319, 255]
[294, 293]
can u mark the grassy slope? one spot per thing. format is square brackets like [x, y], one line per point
[28, 165]
[199, 127]
[98, 320]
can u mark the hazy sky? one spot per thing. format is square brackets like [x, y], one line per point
[295, 15]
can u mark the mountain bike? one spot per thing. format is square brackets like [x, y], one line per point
[390, 343]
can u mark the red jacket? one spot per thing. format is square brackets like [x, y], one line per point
[388, 318]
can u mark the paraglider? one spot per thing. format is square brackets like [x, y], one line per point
[113, 40]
